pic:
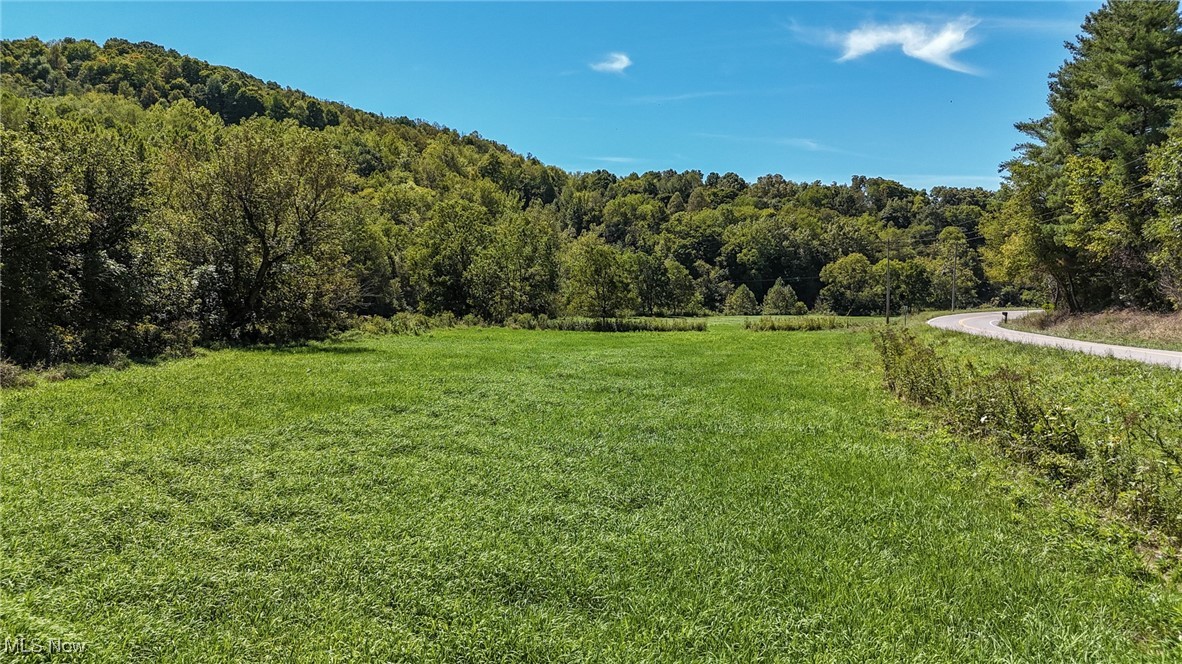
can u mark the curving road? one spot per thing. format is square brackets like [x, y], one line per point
[989, 325]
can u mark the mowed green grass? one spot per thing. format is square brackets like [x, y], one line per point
[492, 494]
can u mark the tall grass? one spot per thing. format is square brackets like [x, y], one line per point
[412, 323]
[1128, 460]
[623, 324]
[799, 324]
[1126, 328]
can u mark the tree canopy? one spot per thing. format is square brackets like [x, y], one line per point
[1077, 212]
[152, 200]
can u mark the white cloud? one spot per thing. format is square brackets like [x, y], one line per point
[616, 160]
[932, 44]
[614, 63]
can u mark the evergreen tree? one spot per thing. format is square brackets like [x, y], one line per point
[779, 300]
[742, 302]
[1076, 208]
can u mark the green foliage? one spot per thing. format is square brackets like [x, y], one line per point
[518, 271]
[1164, 232]
[779, 300]
[851, 286]
[572, 324]
[1076, 215]
[73, 205]
[598, 280]
[681, 296]
[652, 283]
[260, 218]
[1125, 460]
[183, 203]
[802, 324]
[445, 249]
[741, 302]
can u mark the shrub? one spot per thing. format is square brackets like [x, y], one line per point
[912, 369]
[12, 376]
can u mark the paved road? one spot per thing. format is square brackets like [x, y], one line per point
[988, 325]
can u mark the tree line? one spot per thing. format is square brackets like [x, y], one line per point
[1090, 213]
[151, 201]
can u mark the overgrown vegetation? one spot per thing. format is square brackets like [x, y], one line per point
[801, 324]
[1123, 327]
[1128, 459]
[618, 324]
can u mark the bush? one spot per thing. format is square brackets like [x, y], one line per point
[12, 376]
[527, 321]
[146, 340]
[69, 371]
[912, 369]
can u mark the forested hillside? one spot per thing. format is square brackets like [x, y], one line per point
[155, 199]
[151, 201]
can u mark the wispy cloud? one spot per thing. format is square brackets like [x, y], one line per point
[687, 96]
[934, 44]
[806, 144]
[616, 160]
[614, 63]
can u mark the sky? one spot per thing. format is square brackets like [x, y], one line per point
[924, 93]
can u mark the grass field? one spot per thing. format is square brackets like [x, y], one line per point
[492, 494]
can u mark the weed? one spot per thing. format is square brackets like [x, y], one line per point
[1128, 462]
[13, 376]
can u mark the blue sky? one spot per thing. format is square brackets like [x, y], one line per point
[925, 93]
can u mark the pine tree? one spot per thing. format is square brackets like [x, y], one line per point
[1077, 206]
[780, 299]
[742, 302]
